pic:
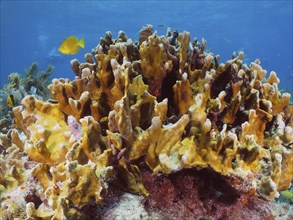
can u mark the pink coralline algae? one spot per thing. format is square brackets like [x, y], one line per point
[74, 127]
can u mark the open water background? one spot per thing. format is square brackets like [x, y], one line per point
[31, 31]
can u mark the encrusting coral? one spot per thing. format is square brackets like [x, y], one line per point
[163, 103]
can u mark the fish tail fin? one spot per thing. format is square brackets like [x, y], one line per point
[81, 42]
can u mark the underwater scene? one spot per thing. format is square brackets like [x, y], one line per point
[146, 110]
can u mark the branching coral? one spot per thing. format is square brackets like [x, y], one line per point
[163, 103]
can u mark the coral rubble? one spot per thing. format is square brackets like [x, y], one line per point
[143, 114]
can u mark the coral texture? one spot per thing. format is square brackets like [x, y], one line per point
[159, 106]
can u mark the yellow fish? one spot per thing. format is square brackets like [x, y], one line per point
[71, 45]
[11, 101]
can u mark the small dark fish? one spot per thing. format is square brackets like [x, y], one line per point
[161, 25]
[53, 101]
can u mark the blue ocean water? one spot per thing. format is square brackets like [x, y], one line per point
[31, 31]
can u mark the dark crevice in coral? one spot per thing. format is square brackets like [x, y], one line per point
[187, 130]
[240, 117]
[146, 109]
[228, 145]
[97, 81]
[132, 99]
[229, 92]
[220, 83]
[34, 198]
[111, 77]
[247, 156]
[270, 124]
[86, 109]
[216, 117]
[135, 70]
[251, 101]
[133, 52]
[144, 79]
[219, 122]
[103, 106]
[167, 92]
[139, 162]
[104, 126]
[120, 58]
[262, 105]
[121, 182]
[75, 90]
[64, 94]
[171, 119]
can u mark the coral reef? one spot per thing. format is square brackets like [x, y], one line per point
[32, 83]
[161, 118]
